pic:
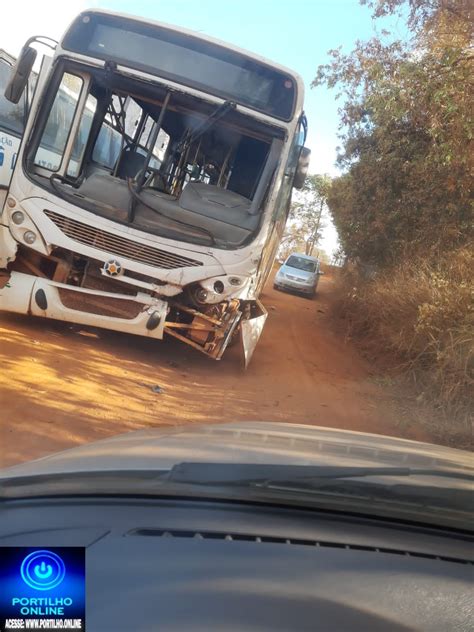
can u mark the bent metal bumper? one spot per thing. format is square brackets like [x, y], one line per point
[140, 314]
[251, 329]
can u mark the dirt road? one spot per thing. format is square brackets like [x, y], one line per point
[61, 386]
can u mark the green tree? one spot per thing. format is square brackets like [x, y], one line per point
[306, 220]
[407, 135]
[293, 241]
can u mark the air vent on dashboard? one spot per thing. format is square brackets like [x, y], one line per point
[120, 246]
[245, 537]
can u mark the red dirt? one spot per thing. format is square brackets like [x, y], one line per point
[61, 386]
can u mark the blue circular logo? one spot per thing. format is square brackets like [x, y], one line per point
[42, 570]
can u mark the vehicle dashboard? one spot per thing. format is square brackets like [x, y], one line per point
[169, 564]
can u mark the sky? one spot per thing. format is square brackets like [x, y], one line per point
[297, 34]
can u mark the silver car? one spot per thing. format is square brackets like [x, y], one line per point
[299, 273]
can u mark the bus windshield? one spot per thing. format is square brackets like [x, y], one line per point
[167, 163]
[186, 59]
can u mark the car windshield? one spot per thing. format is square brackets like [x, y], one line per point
[300, 263]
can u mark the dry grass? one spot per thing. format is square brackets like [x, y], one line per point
[420, 316]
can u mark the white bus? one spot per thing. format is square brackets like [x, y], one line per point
[166, 187]
[12, 122]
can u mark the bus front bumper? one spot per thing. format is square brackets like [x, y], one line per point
[27, 294]
[140, 314]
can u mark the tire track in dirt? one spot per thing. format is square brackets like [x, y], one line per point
[62, 385]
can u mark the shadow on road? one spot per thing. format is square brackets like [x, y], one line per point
[62, 385]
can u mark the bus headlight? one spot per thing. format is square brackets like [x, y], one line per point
[24, 230]
[218, 289]
[18, 217]
[29, 237]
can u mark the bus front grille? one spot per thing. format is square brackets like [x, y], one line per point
[119, 246]
[100, 305]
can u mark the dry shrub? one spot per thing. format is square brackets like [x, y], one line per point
[420, 315]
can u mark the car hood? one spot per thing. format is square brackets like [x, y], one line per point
[302, 274]
[243, 442]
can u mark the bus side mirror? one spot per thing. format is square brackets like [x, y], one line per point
[302, 168]
[20, 74]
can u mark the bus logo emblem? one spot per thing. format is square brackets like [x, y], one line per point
[112, 267]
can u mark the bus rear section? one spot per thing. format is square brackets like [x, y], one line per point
[144, 203]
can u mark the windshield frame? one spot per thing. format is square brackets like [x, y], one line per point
[41, 176]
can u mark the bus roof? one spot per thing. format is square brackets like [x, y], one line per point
[205, 38]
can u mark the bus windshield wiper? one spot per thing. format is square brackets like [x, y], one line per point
[210, 121]
[265, 475]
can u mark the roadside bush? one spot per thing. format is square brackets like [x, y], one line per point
[403, 205]
[420, 315]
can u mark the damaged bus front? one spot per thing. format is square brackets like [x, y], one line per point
[152, 184]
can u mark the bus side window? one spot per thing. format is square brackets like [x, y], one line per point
[12, 116]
